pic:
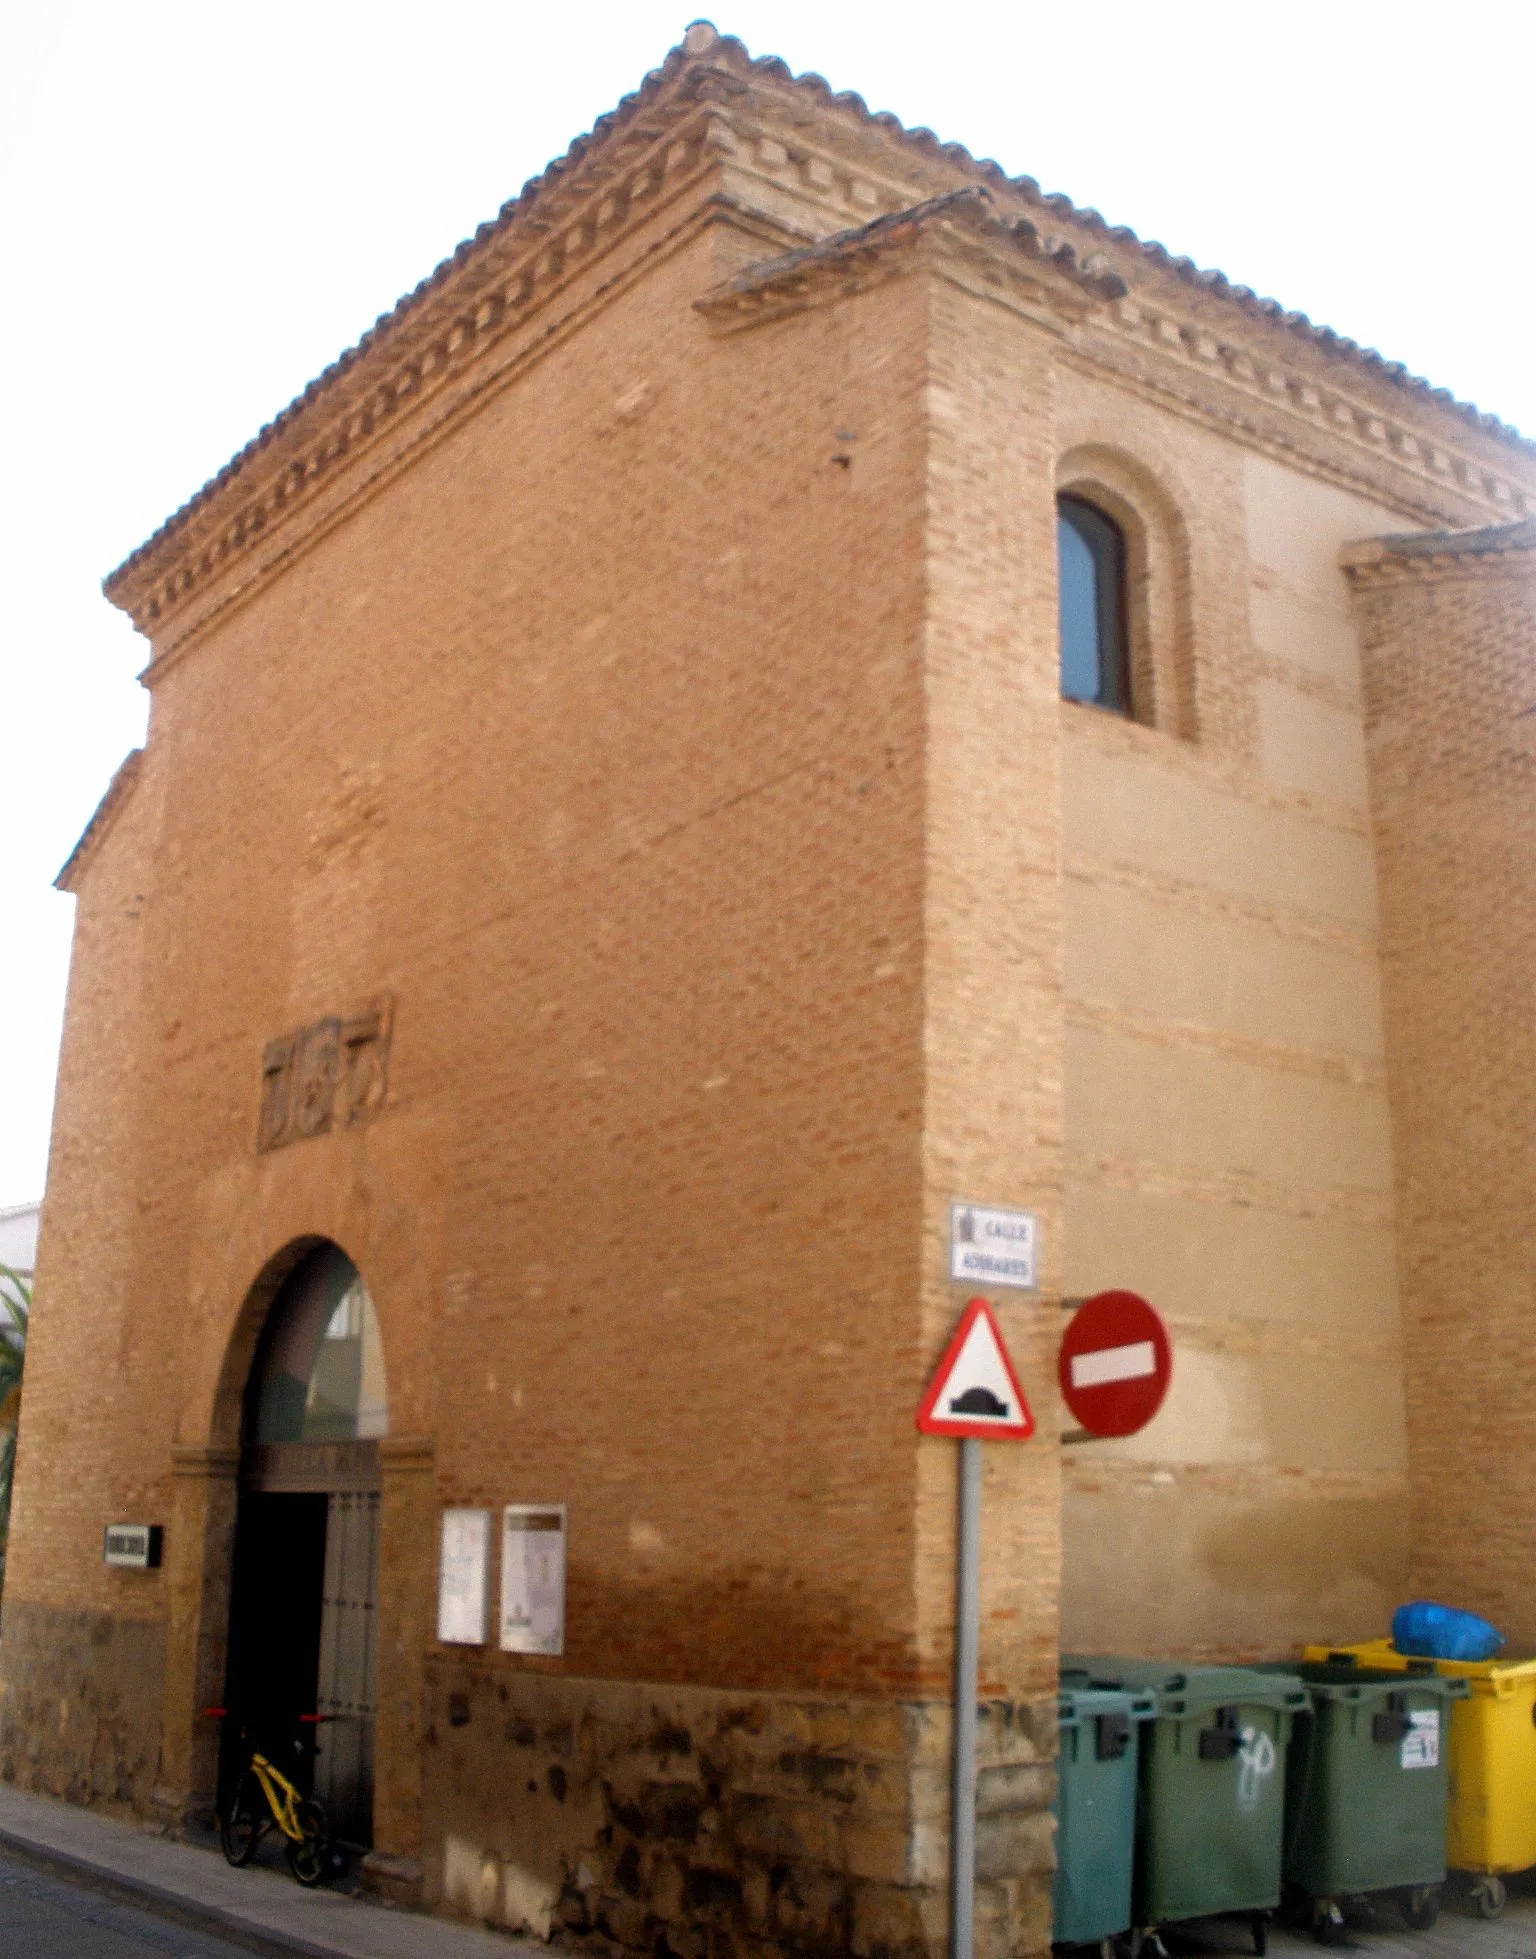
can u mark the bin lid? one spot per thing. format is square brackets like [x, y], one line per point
[1078, 1701]
[1484, 1676]
[1191, 1688]
[1342, 1680]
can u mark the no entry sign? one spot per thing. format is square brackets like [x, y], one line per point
[1115, 1363]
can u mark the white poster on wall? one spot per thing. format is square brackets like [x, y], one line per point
[463, 1577]
[533, 1578]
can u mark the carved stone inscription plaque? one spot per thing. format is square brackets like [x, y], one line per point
[325, 1076]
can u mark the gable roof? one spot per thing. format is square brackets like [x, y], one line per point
[705, 54]
[1485, 546]
[1485, 539]
[103, 816]
[971, 208]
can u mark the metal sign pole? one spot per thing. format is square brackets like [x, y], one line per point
[975, 1396]
[962, 1856]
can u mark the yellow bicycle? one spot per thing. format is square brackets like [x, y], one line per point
[264, 1796]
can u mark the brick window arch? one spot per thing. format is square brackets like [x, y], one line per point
[1119, 519]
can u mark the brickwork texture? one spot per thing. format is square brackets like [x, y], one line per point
[1449, 640]
[638, 663]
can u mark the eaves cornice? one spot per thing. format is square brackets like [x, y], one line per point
[1053, 211]
[1156, 337]
[541, 242]
[804, 164]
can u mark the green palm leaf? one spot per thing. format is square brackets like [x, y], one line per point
[15, 1316]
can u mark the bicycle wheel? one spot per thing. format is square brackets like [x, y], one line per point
[242, 1821]
[308, 1858]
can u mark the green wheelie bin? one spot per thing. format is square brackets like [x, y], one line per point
[1095, 1809]
[1491, 1761]
[1365, 1791]
[1211, 1806]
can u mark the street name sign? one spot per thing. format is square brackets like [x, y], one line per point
[989, 1247]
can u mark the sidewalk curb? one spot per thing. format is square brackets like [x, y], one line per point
[172, 1905]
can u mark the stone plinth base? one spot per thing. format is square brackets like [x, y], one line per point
[396, 1880]
[80, 1712]
[702, 1823]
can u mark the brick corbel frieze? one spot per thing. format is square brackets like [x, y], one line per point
[399, 393]
[468, 328]
[804, 164]
[1214, 353]
[1234, 381]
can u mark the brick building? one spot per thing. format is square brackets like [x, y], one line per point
[612, 861]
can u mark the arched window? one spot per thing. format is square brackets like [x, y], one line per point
[318, 1375]
[1091, 566]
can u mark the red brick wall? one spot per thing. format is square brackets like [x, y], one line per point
[1450, 664]
[610, 771]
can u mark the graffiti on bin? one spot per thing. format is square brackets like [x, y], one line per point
[1256, 1761]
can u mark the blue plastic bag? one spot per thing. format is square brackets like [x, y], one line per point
[1427, 1631]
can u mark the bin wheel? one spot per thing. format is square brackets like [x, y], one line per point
[1328, 1927]
[1420, 1908]
[1259, 1926]
[1489, 1897]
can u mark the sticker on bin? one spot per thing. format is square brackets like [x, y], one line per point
[1421, 1744]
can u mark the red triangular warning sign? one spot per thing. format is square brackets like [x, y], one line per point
[975, 1392]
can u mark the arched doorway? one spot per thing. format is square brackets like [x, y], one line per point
[304, 1591]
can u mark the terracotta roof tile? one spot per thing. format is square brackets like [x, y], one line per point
[704, 48]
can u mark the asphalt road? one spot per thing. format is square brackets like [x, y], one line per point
[46, 1917]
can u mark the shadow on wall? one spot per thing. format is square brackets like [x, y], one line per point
[1178, 1571]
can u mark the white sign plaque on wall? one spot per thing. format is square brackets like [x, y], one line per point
[533, 1578]
[463, 1577]
[988, 1247]
[131, 1547]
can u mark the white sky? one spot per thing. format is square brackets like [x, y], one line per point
[202, 204]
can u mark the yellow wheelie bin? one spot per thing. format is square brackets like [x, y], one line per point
[1491, 1820]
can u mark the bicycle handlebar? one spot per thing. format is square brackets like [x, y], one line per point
[307, 1720]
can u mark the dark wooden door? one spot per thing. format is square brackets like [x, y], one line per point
[348, 1670]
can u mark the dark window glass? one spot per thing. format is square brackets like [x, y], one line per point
[1090, 553]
